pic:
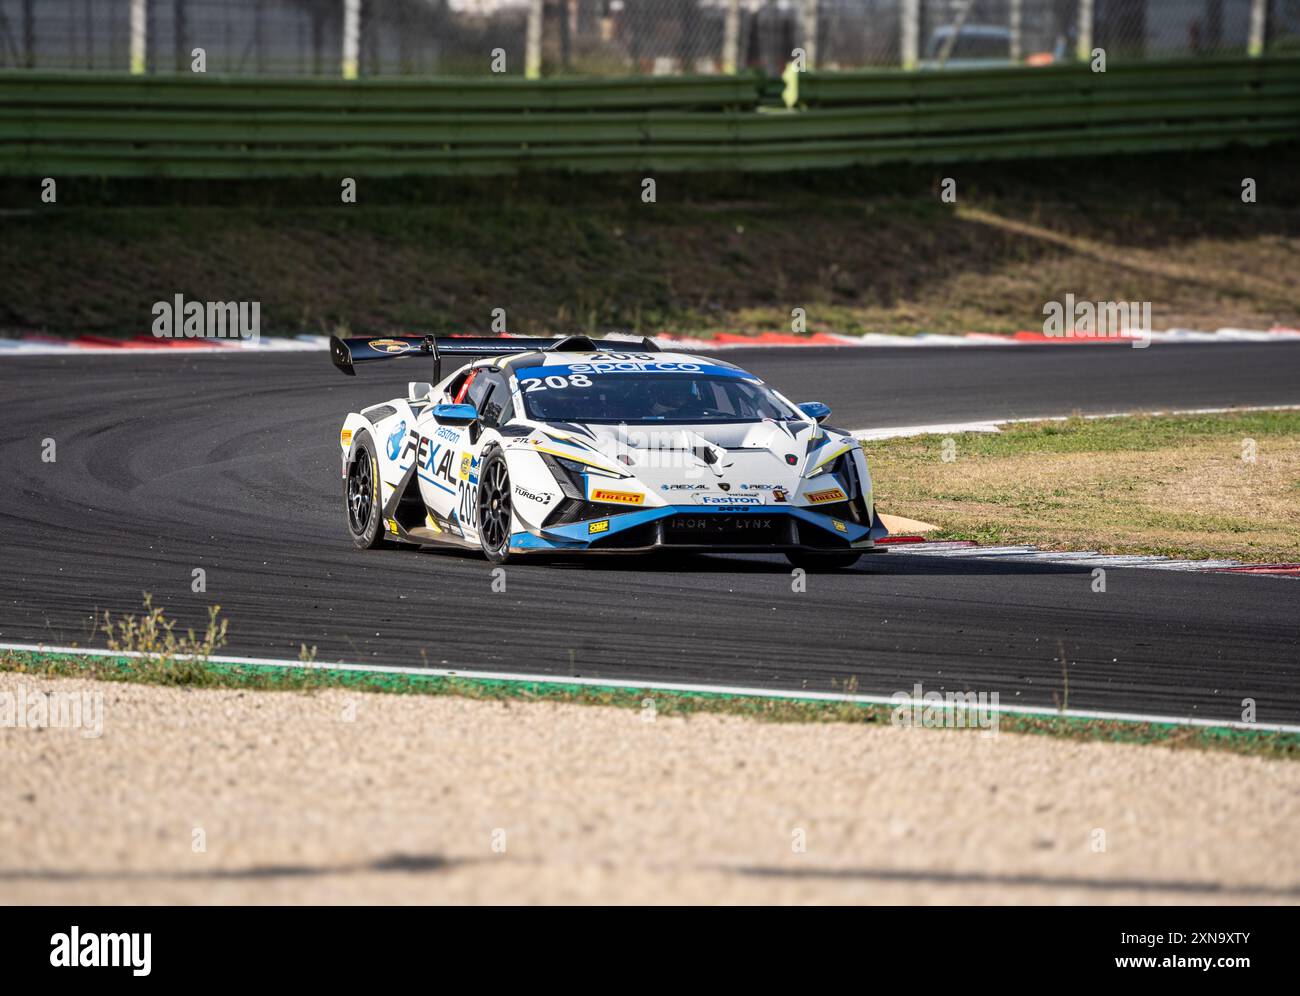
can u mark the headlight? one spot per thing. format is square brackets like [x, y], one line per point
[568, 474]
[575, 467]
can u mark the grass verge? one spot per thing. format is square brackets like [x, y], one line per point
[1195, 486]
[204, 673]
[857, 250]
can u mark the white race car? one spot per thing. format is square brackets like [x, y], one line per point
[574, 445]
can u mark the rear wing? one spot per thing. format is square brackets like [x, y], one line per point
[347, 353]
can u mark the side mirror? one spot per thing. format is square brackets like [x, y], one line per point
[815, 410]
[455, 414]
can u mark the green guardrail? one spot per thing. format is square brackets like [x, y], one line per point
[60, 125]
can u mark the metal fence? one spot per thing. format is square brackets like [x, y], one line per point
[618, 37]
[187, 126]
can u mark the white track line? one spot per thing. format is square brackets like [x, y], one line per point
[307, 342]
[995, 425]
[670, 686]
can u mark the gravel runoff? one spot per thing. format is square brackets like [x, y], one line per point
[342, 797]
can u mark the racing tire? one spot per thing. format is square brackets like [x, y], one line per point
[361, 504]
[493, 507]
[822, 561]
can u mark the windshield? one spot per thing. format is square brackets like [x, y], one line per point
[681, 393]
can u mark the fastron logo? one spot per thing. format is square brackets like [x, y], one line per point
[77, 950]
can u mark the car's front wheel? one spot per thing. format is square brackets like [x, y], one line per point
[810, 561]
[361, 494]
[494, 507]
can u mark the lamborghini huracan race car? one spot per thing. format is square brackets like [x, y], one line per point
[574, 445]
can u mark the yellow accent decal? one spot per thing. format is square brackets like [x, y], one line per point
[568, 455]
[618, 497]
[392, 525]
[840, 526]
[464, 467]
[830, 494]
[345, 437]
[599, 527]
[836, 455]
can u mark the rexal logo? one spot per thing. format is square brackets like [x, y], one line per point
[94, 950]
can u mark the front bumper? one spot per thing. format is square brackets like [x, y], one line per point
[692, 527]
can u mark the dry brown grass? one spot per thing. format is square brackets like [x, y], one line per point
[859, 251]
[1098, 485]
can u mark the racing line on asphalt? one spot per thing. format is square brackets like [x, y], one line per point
[229, 463]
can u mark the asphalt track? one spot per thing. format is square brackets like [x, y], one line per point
[166, 464]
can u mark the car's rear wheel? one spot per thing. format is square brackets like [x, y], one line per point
[361, 495]
[811, 561]
[494, 507]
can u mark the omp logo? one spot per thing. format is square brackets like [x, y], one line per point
[389, 345]
[618, 497]
[94, 950]
[181, 319]
[599, 527]
[830, 494]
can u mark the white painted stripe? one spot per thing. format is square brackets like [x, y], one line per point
[11, 347]
[994, 425]
[1194, 565]
[1091, 558]
[672, 686]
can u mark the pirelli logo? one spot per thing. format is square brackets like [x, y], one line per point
[618, 497]
[830, 494]
[599, 527]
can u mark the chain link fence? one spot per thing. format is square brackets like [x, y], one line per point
[617, 37]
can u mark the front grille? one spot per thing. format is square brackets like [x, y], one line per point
[727, 530]
[574, 510]
[849, 511]
[818, 538]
